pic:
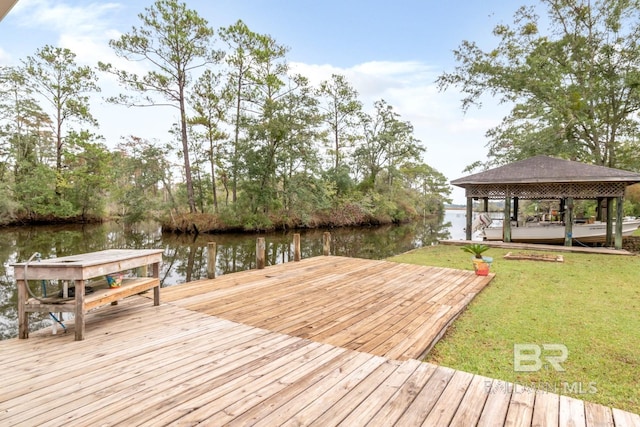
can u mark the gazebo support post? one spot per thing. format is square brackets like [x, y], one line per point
[486, 205]
[609, 236]
[469, 218]
[568, 221]
[619, 213]
[506, 224]
[515, 209]
[599, 208]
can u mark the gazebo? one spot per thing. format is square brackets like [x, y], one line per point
[544, 177]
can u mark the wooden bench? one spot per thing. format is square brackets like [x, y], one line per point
[78, 269]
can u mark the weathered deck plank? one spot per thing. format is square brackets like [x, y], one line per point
[472, 404]
[381, 395]
[420, 408]
[448, 403]
[357, 395]
[546, 409]
[395, 407]
[334, 394]
[598, 415]
[497, 404]
[572, 412]
[385, 308]
[320, 383]
[520, 410]
[625, 419]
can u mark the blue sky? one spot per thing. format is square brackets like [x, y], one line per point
[387, 50]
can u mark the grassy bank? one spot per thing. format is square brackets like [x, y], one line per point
[344, 215]
[589, 303]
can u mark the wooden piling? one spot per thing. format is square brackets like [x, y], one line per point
[211, 260]
[260, 253]
[142, 271]
[296, 247]
[326, 243]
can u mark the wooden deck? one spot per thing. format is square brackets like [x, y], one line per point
[384, 308]
[170, 365]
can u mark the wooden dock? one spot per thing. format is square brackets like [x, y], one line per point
[172, 365]
[384, 308]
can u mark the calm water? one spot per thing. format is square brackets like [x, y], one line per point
[185, 257]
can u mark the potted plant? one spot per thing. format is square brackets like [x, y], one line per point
[481, 264]
[114, 280]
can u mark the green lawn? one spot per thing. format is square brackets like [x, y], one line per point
[589, 303]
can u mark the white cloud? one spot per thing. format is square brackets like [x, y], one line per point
[5, 57]
[93, 25]
[56, 16]
[314, 72]
[89, 34]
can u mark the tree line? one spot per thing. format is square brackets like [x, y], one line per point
[259, 146]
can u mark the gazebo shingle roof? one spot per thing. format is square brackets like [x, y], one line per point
[545, 169]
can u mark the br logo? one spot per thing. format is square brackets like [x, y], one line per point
[532, 357]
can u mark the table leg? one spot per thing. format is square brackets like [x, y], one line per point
[79, 322]
[23, 316]
[156, 289]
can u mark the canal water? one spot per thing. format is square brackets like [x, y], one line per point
[185, 256]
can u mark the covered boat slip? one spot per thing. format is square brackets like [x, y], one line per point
[177, 364]
[554, 233]
[543, 177]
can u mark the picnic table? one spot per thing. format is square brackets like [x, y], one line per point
[77, 269]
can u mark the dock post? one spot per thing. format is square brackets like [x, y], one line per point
[296, 247]
[260, 250]
[142, 271]
[326, 243]
[211, 260]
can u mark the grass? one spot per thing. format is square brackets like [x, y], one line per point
[589, 303]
